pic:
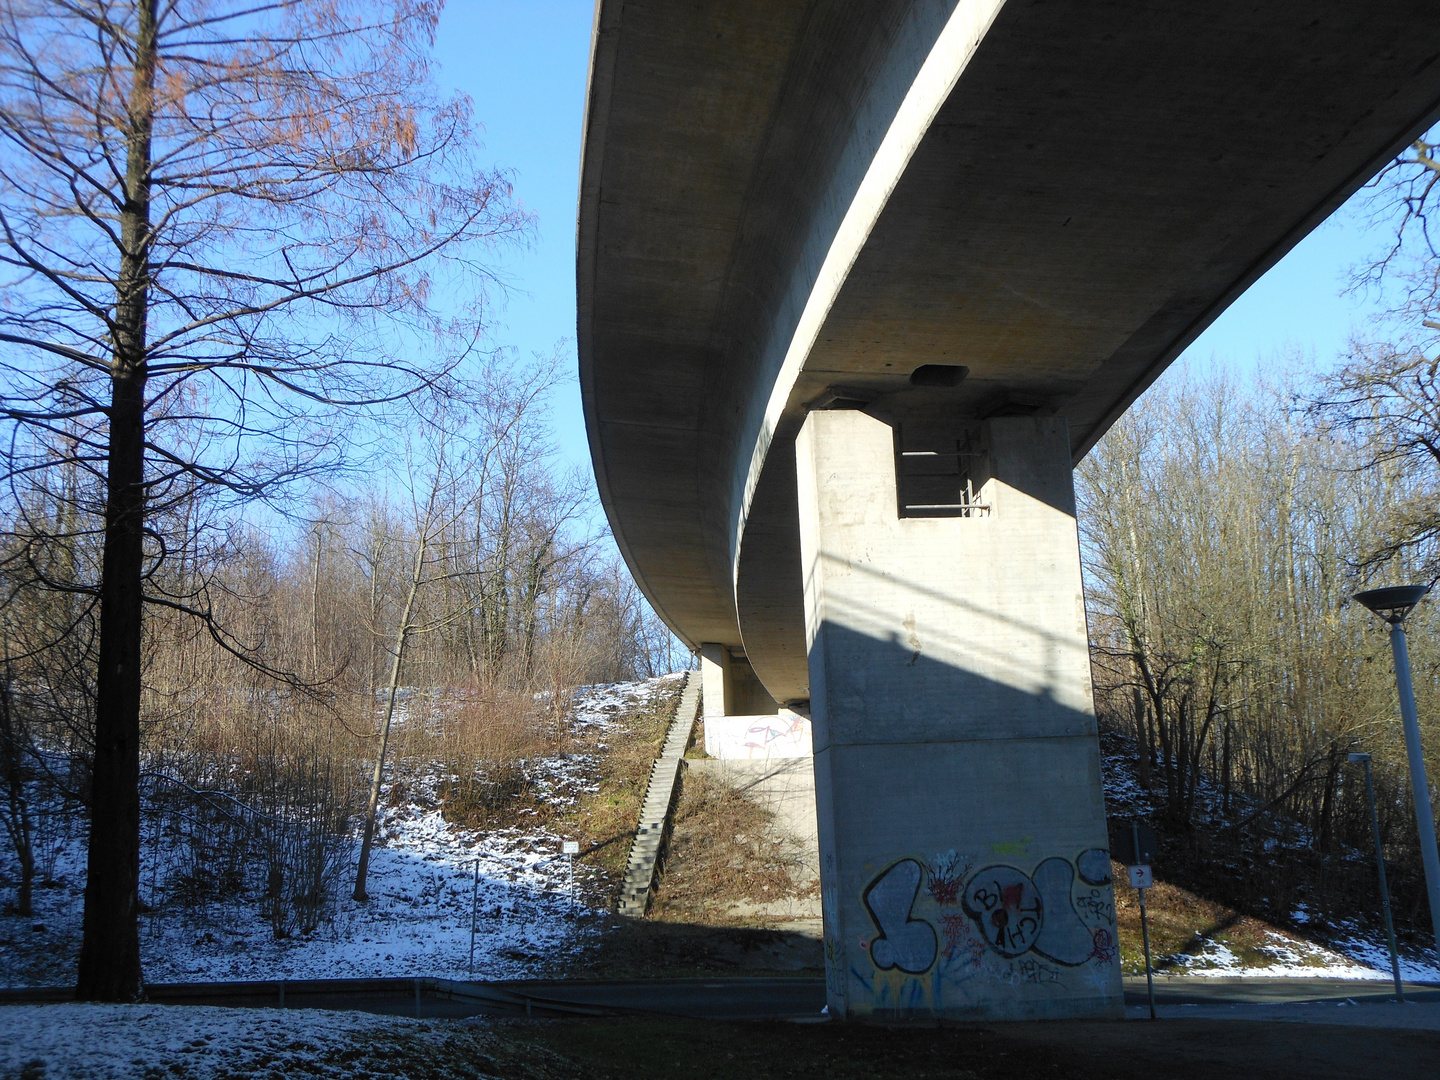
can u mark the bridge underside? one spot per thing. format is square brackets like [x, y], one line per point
[939, 247]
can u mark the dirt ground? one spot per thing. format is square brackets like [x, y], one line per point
[655, 949]
[640, 1049]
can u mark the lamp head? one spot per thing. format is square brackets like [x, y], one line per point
[1356, 759]
[1394, 602]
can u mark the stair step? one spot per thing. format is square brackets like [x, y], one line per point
[657, 801]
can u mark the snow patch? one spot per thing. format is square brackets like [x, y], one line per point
[120, 1042]
[421, 881]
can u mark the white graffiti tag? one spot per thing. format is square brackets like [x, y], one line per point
[904, 943]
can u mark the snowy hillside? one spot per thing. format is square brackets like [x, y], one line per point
[1197, 936]
[421, 882]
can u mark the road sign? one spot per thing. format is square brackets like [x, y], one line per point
[570, 847]
[1141, 877]
[1135, 844]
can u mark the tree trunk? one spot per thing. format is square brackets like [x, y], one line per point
[315, 607]
[1167, 756]
[1142, 736]
[1225, 768]
[13, 746]
[402, 638]
[109, 967]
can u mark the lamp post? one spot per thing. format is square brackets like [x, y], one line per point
[1393, 604]
[1364, 759]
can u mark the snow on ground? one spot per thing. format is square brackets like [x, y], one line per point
[1351, 954]
[422, 876]
[1291, 958]
[416, 922]
[1376, 956]
[189, 1042]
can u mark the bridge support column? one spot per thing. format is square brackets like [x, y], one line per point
[964, 862]
[715, 679]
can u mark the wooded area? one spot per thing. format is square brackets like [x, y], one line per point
[461, 594]
[1222, 534]
[248, 254]
[1225, 523]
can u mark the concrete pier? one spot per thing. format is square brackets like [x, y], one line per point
[730, 685]
[715, 679]
[964, 858]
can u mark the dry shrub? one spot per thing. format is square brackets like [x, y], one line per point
[255, 797]
[491, 796]
[487, 745]
[722, 852]
[1183, 923]
[606, 819]
[500, 727]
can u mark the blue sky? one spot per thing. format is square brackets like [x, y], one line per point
[524, 62]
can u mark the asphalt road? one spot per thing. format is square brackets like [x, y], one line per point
[779, 998]
[1200, 990]
[796, 998]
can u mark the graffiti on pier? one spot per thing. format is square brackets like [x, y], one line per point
[1094, 866]
[1034, 972]
[947, 922]
[904, 943]
[962, 943]
[1065, 938]
[946, 873]
[1008, 908]
[1106, 950]
[1095, 906]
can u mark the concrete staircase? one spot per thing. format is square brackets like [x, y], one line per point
[659, 796]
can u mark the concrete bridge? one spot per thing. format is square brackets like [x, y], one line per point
[859, 281]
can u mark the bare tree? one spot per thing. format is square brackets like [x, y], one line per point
[1385, 401]
[1385, 398]
[437, 465]
[1404, 196]
[1219, 531]
[222, 224]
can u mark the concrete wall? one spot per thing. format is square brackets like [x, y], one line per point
[730, 685]
[758, 738]
[961, 820]
[748, 695]
[784, 786]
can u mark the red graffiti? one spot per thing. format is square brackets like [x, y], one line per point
[1008, 908]
[945, 890]
[958, 939]
[1104, 950]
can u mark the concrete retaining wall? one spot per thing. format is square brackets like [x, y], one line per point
[758, 738]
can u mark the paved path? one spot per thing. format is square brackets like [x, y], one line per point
[1322, 1001]
[1412, 1016]
[1258, 990]
[1335, 1001]
[1355, 1002]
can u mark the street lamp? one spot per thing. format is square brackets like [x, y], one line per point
[1392, 605]
[1364, 759]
